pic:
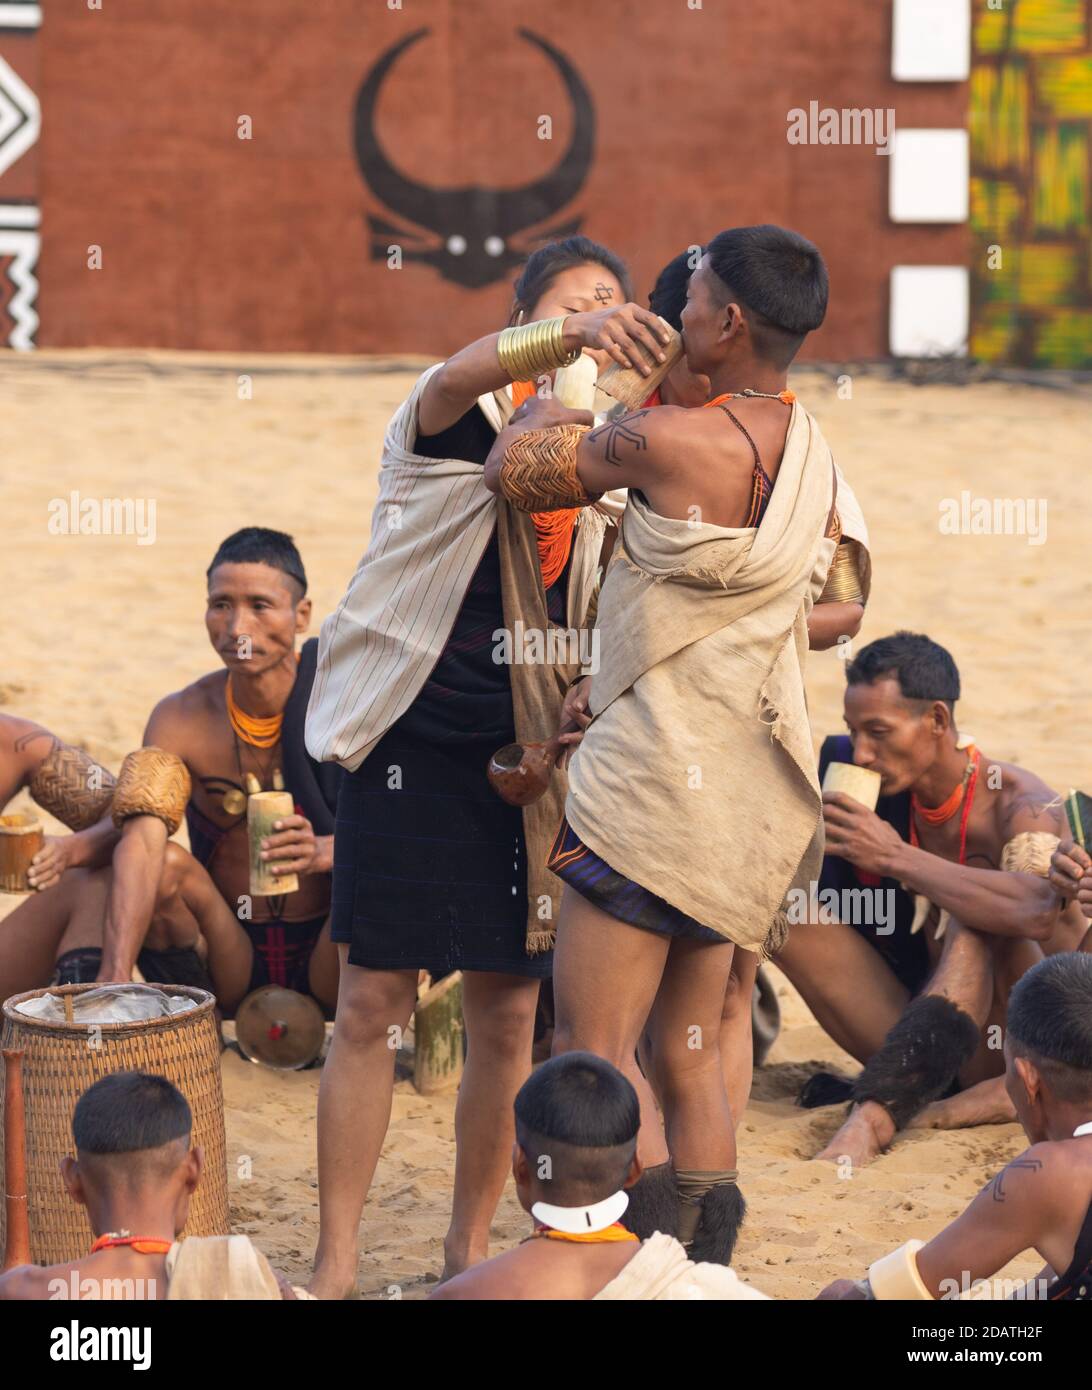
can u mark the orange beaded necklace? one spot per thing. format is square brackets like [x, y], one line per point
[614, 1233]
[143, 1245]
[785, 397]
[963, 795]
[251, 728]
[553, 530]
[260, 733]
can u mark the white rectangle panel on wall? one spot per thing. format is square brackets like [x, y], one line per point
[929, 176]
[931, 41]
[930, 310]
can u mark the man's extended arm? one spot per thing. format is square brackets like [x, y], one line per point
[629, 452]
[1020, 1209]
[620, 332]
[68, 784]
[1011, 1214]
[988, 900]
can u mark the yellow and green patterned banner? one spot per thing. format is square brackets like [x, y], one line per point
[1031, 147]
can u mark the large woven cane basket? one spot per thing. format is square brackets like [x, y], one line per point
[62, 1059]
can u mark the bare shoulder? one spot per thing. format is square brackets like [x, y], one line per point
[24, 1283]
[667, 437]
[1040, 1178]
[493, 1279]
[1027, 803]
[179, 720]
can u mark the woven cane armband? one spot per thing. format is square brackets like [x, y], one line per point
[539, 470]
[70, 785]
[152, 783]
[1029, 853]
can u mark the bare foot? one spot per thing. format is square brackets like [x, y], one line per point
[332, 1282]
[460, 1255]
[985, 1104]
[866, 1133]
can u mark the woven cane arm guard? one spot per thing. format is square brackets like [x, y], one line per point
[539, 470]
[70, 785]
[152, 783]
[1029, 852]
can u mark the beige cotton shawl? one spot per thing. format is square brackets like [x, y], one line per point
[661, 1273]
[430, 527]
[697, 778]
[219, 1268]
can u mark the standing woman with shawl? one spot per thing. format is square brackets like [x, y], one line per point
[414, 690]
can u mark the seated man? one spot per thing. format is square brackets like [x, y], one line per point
[1043, 1199]
[68, 784]
[575, 1154]
[135, 1172]
[973, 839]
[229, 734]
[181, 918]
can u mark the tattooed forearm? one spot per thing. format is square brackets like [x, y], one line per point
[997, 1187]
[619, 435]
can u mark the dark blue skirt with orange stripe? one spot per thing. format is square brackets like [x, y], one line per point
[594, 879]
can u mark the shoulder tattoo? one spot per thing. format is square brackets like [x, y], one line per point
[997, 1186]
[619, 435]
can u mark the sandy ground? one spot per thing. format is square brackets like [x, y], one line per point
[100, 627]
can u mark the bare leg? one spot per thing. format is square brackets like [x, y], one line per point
[964, 978]
[606, 975]
[736, 1048]
[686, 1027]
[855, 996]
[985, 1101]
[62, 918]
[354, 1110]
[985, 1104]
[1011, 957]
[500, 1023]
[190, 913]
[324, 969]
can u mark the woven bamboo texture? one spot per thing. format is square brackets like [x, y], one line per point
[539, 470]
[62, 1060]
[152, 783]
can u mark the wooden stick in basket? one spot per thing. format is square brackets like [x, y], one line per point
[627, 385]
[17, 1249]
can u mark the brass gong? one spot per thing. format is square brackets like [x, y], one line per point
[280, 1028]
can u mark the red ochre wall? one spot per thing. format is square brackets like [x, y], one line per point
[217, 243]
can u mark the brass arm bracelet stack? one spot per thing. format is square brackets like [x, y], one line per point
[843, 579]
[533, 348]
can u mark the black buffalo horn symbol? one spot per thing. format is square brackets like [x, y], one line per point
[475, 225]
